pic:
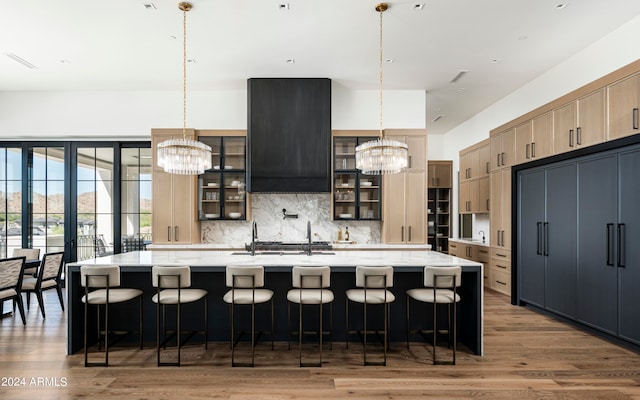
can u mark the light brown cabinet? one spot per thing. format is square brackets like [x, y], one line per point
[439, 174]
[534, 139]
[500, 214]
[474, 172]
[500, 271]
[405, 194]
[473, 252]
[174, 211]
[503, 149]
[579, 123]
[623, 105]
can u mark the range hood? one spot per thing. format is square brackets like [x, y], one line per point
[289, 135]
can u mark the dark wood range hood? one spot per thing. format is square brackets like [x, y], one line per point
[289, 135]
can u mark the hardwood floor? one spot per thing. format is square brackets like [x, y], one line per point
[527, 356]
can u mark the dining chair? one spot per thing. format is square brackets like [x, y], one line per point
[440, 287]
[372, 284]
[173, 288]
[11, 274]
[104, 282]
[246, 283]
[29, 254]
[48, 278]
[310, 287]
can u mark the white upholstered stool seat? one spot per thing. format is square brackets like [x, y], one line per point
[173, 287]
[248, 296]
[310, 287]
[246, 283]
[372, 288]
[440, 287]
[105, 282]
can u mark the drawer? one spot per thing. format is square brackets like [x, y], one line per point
[501, 265]
[500, 254]
[483, 255]
[500, 281]
[453, 249]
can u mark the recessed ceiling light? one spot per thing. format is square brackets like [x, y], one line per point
[191, 60]
[561, 6]
[150, 6]
[461, 89]
[437, 118]
[65, 61]
[389, 60]
[459, 75]
[418, 6]
[495, 61]
[283, 6]
[291, 61]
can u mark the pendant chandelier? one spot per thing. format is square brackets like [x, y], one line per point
[382, 156]
[184, 156]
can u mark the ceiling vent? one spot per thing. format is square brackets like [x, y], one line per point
[459, 76]
[437, 118]
[20, 60]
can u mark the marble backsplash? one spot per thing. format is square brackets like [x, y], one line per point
[266, 210]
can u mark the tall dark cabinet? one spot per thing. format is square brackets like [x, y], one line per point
[577, 226]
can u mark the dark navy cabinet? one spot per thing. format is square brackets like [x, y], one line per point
[578, 225]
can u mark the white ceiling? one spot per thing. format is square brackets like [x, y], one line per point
[123, 45]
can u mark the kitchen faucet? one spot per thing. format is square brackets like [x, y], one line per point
[479, 232]
[309, 237]
[254, 236]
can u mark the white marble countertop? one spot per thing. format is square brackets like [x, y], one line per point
[474, 242]
[333, 259]
[241, 246]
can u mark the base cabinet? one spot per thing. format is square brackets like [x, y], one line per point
[577, 225]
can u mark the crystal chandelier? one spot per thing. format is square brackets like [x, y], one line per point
[184, 156]
[382, 156]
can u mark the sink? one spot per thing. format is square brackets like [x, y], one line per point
[281, 253]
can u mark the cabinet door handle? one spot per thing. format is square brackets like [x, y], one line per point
[437, 181]
[168, 233]
[502, 159]
[498, 237]
[527, 151]
[539, 238]
[622, 249]
[498, 160]
[578, 136]
[635, 118]
[487, 166]
[502, 283]
[502, 238]
[501, 266]
[409, 161]
[487, 204]
[402, 234]
[175, 233]
[609, 244]
[409, 233]
[533, 149]
[570, 137]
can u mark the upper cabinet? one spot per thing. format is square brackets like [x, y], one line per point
[534, 138]
[580, 123]
[439, 174]
[355, 196]
[503, 149]
[222, 189]
[624, 102]
[474, 178]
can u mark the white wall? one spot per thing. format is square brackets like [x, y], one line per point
[606, 55]
[131, 115]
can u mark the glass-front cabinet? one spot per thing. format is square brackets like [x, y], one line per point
[356, 196]
[221, 190]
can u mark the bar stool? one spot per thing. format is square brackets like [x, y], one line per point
[310, 285]
[441, 285]
[172, 288]
[246, 284]
[372, 288]
[105, 280]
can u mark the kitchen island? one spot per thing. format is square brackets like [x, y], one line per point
[208, 273]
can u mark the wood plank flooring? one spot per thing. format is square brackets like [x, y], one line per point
[527, 356]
